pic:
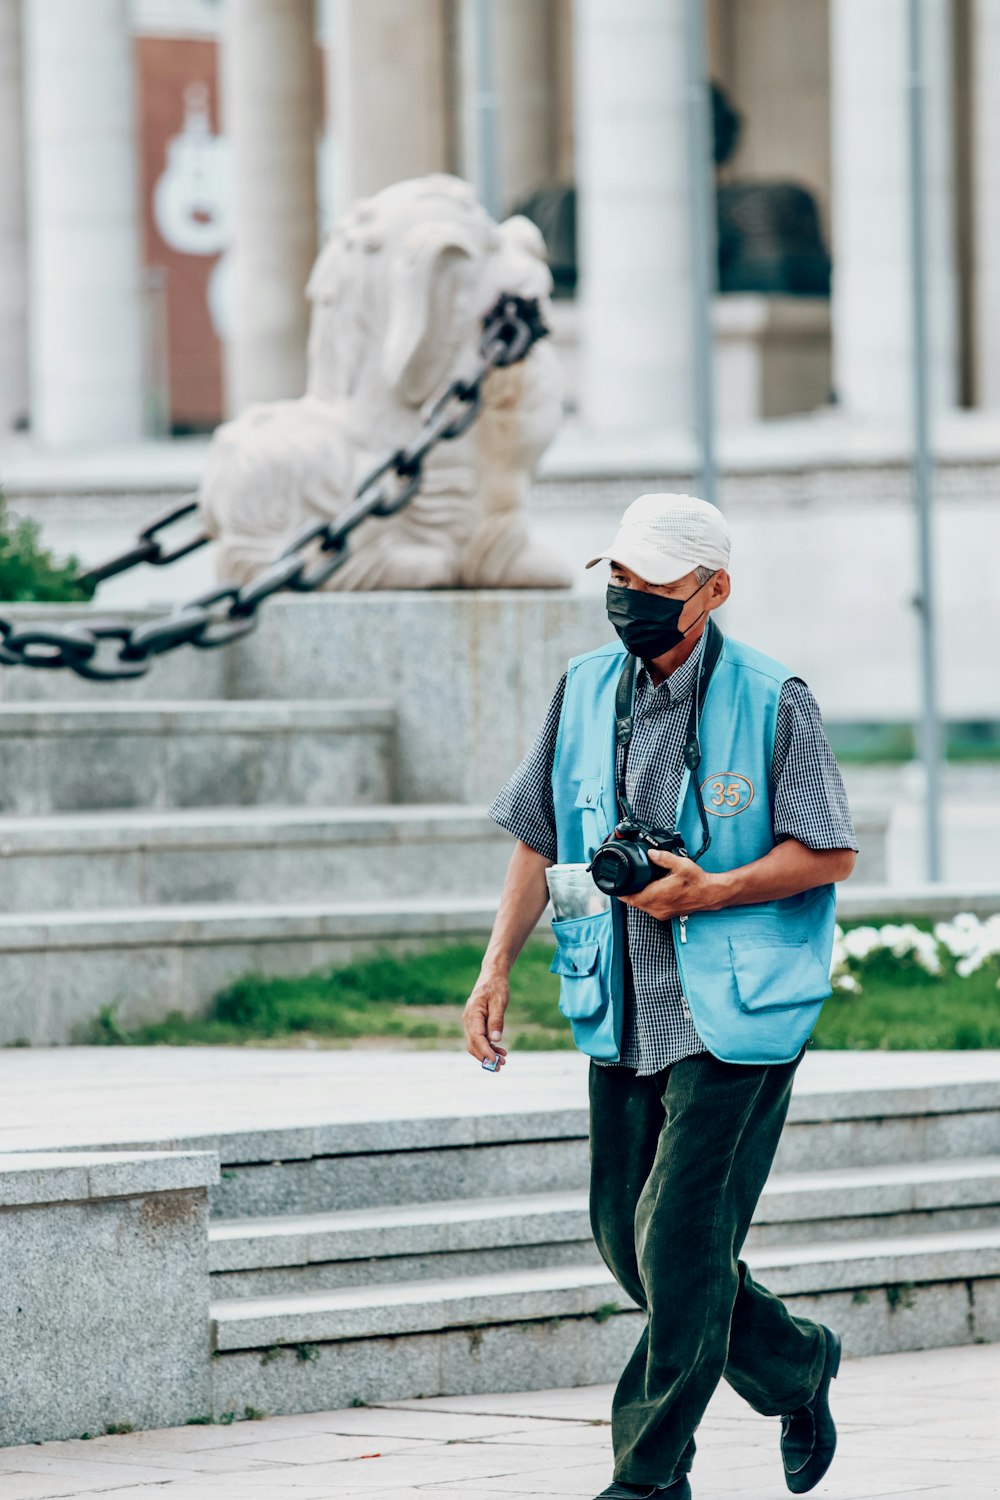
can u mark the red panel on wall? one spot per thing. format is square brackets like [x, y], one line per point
[185, 224]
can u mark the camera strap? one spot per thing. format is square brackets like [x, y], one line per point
[625, 723]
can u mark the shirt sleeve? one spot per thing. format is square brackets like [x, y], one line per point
[525, 806]
[810, 802]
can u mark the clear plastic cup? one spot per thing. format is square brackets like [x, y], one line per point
[573, 893]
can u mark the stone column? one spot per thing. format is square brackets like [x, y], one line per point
[388, 85]
[985, 55]
[85, 300]
[635, 273]
[270, 77]
[13, 227]
[871, 231]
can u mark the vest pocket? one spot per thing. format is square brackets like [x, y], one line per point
[589, 792]
[593, 825]
[579, 958]
[777, 975]
[577, 961]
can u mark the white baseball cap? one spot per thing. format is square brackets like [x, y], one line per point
[662, 537]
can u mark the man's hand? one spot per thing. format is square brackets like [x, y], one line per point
[787, 869]
[524, 898]
[483, 1019]
[685, 888]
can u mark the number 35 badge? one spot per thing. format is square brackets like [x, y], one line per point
[727, 794]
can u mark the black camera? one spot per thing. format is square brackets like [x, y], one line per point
[621, 865]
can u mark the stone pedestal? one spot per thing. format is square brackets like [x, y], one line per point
[387, 86]
[871, 228]
[104, 1300]
[271, 72]
[13, 247]
[82, 192]
[636, 284]
[772, 356]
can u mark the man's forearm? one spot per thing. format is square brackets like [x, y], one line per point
[524, 898]
[788, 869]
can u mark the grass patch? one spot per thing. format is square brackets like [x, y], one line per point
[872, 744]
[29, 572]
[416, 1001]
[909, 1011]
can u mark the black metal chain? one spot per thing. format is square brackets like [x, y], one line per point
[510, 330]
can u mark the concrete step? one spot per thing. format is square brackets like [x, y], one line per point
[940, 901]
[117, 859]
[402, 1307]
[573, 1325]
[410, 1242]
[61, 969]
[893, 1200]
[404, 1161]
[459, 1237]
[78, 757]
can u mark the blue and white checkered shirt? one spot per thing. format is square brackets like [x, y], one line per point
[809, 804]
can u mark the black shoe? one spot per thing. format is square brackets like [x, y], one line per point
[808, 1436]
[677, 1489]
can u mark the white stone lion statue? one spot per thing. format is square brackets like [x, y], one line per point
[398, 295]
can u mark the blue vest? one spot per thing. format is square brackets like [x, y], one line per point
[754, 977]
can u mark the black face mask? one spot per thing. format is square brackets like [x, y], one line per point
[647, 623]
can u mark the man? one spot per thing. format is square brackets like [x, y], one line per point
[695, 995]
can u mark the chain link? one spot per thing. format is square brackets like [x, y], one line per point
[226, 612]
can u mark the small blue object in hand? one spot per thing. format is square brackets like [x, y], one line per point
[491, 1067]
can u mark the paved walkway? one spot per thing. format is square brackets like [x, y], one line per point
[105, 1096]
[922, 1425]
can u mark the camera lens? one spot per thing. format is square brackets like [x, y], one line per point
[620, 869]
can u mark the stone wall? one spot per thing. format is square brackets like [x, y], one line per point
[104, 1297]
[824, 564]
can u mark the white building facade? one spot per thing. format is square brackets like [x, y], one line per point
[322, 102]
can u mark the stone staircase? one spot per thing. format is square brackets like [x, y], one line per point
[77, 757]
[127, 859]
[289, 802]
[455, 1256]
[152, 851]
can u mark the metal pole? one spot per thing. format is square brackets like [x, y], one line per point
[487, 111]
[923, 477]
[701, 225]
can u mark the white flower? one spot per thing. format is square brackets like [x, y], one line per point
[911, 941]
[972, 942]
[961, 935]
[847, 982]
[901, 939]
[861, 941]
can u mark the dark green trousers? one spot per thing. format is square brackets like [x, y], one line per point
[678, 1161]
